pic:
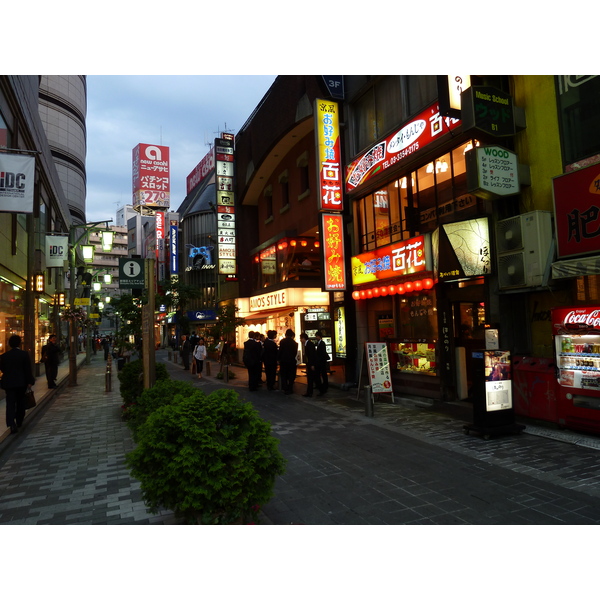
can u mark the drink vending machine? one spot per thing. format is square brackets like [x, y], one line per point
[576, 332]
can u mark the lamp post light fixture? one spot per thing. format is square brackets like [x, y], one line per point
[88, 256]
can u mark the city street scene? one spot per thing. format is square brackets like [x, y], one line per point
[300, 301]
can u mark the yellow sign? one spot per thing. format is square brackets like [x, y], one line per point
[94, 316]
[82, 302]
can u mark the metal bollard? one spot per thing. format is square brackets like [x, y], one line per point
[108, 379]
[368, 401]
[169, 355]
[207, 365]
[226, 376]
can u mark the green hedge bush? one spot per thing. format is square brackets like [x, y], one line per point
[131, 378]
[163, 393]
[210, 459]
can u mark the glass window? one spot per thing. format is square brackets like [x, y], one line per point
[422, 91]
[4, 133]
[579, 115]
[417, 202]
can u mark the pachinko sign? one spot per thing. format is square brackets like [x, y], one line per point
[333, 251]
[151, 176]
[329, 155]
[395, 260]
[426, 127]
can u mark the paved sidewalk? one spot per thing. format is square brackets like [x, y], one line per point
[407, 464]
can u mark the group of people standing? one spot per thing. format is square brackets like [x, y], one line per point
[265, 352]
[197, 347]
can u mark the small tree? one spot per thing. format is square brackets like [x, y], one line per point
[209, 459]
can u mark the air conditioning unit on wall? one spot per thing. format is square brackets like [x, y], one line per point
[522, 246]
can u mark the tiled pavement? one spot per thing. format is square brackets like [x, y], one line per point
[405, 465]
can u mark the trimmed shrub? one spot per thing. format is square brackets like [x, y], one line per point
[209, 459]
[164, 392]
[131, 378]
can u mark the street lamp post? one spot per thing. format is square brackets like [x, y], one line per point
[74, 243]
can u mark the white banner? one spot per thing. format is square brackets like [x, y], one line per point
[57, 250]
[16, 183]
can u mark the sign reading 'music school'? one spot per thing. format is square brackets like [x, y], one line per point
[16, 183]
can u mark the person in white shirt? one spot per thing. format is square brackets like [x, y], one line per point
[199, 356]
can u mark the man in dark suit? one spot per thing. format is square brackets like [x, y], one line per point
[51, 359]
[16, 377]
[310, 360]
[288, 349]
[252, 358]
[184, 352]
[270, 359]
[321, 379]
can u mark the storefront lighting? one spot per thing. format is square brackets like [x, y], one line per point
[280, 246]
[108, 278]
[418, 285]
[400, 289]
[427, 283]
[97, 286]
[384, 291]
[317, 243]
[408, 286]
[293, 243]
[376, 292]
[429, 168]
[39, 282]
[303, 243]
[363, 294]
[356, 295]
[392, 290]
[107, 299]
[369, 293]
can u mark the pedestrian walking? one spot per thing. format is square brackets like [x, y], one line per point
[106, 347]
[321, 379]
[17, 378]
[184, 352]
[288, 349]
[310, 360]
[253, 360]
[200, 356]
[270, 359]
[51, 359]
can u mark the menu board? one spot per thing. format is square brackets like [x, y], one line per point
[378, 364]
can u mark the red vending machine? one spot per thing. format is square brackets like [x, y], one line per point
[577, 346]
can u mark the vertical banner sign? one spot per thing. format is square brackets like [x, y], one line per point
[16, 183]
[226, 228]
[160, 245]
[333, 251]
[329, 157]
[151, 176]
[378, 364]
[174, 242]
[57, 250]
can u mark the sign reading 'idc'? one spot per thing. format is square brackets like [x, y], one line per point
[131, 273]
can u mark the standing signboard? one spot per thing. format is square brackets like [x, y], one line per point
[378, 365]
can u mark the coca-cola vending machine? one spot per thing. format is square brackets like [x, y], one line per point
[576, 332]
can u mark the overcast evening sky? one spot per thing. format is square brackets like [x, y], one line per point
[185, 113]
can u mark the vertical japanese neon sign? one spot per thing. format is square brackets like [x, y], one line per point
[329, 164]
[332, 235]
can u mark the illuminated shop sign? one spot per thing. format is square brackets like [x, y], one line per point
[266, 301]
[225, 196]
[200, 258]
[462, 249]
[329, 165]
[173, 241]
[577, 211]
[333, 251]
[394, 260]
[151, 176]
[415, 135]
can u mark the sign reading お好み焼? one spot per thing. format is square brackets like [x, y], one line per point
[329, 153]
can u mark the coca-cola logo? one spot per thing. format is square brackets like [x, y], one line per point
[586, 319]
